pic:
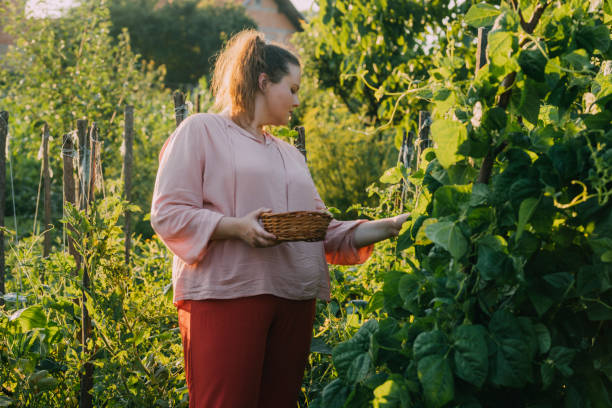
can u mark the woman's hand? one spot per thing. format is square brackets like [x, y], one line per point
[253, 233]
[395, 224]
[373, 231]
[246, 228]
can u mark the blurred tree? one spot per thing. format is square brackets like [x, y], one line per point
[357, 56]
[182, 35]
[63, 69]
[388, 43]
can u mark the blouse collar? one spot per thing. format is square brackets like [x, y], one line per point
[230, 123]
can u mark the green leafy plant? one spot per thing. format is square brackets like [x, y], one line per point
[135, 345]
[500, 294]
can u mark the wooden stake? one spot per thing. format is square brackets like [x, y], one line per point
[68, 154]
[89, 165]
[300, 142]
[423, 141]
[47, 190]
[128, 142]
[4, 117]
[93, 146]
[83, 158]
[481, 51]
[180, 110]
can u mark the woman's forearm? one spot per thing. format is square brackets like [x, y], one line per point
[371, 232]
[227, 228]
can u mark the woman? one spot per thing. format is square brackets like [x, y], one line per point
[246, 302]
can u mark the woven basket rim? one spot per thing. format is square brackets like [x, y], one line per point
[286, 226]
[271, 214]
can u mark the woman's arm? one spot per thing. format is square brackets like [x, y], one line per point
[373, 231]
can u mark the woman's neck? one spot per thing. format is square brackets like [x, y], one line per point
[252, 127]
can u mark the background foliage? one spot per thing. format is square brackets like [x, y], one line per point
[184, 36]
[497, 293]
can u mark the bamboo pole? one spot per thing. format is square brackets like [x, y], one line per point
[47, 192]
[180, 110]
[128, 142]
[4, 117]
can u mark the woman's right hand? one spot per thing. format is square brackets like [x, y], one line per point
[253, 233]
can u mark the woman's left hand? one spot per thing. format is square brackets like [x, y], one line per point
[377, 230]
[395, 224]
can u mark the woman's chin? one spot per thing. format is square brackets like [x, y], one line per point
[281, 122]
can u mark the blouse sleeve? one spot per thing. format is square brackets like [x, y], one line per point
[339, 241]
[177, 213]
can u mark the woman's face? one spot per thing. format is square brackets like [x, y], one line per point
[281, 98]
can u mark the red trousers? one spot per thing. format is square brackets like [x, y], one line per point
[246, 352]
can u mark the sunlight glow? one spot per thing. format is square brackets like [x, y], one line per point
[47, 8]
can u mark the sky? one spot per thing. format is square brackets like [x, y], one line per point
[302, 5]
[40, 8]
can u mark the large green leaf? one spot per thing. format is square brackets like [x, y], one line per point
[448, 136]
[480, 194]
[543, 335]
[335, 394]
[449, 200]
[352, 358]
[429, 343]
[593, 279]
[391, 288]
[526, 210]
[449, 236]
[561, 358]
[471, 356]
[30, 317]
[495, 119]
[499, 48]
[492, 257]
[392, 175]
[393, 393]
[509, 366]
[529, 102]
[436, 378]
[533, 64]
[482, 15]
[409, 289]
[594, 37]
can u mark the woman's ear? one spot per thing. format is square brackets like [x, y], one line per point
[262, 81]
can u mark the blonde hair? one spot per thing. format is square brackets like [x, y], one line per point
[237, 70]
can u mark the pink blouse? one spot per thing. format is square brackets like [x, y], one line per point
[210, 168]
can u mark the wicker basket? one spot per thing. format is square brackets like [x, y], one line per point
[307, 226]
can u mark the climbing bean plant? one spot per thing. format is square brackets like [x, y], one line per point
[501, 290]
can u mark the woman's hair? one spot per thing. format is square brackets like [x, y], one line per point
[237, 69]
